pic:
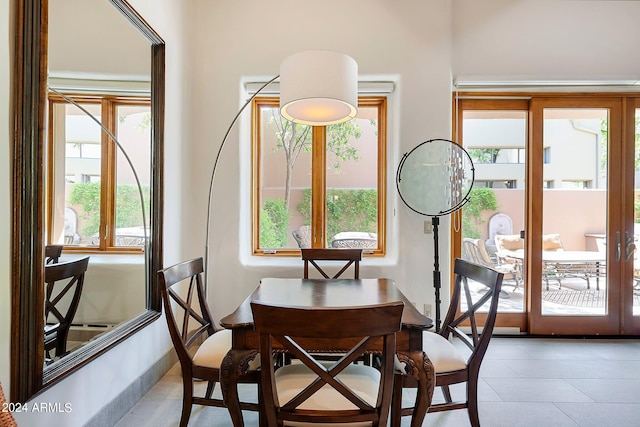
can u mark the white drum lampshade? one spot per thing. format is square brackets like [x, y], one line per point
[318, 87]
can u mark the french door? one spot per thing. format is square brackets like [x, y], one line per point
[562, 174]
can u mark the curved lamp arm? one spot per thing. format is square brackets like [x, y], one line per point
[213, 175]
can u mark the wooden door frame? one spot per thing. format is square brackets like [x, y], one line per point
[620, 212]
[629, 324]
[485, 102]
[609, 323]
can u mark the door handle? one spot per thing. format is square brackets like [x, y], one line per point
[630, 246]
[618, 247]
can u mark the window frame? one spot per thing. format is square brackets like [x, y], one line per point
[108, 168]
[318, 180]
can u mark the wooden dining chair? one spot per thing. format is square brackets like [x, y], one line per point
[63, 288]
[316, 391]
[190, 322]
[451, 365]
[52, 253]
[348, 257]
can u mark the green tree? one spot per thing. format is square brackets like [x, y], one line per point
[293, 139]
[484, 155]
[87, 197]
[604, 132]
[480, 200]
[274, 221]
[355, 210]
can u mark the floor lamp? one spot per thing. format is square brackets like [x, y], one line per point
[435, 179]
[317, 88]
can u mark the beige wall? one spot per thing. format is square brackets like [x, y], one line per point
[570, 213]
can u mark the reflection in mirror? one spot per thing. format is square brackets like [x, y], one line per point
[100, 62]
[104, 55]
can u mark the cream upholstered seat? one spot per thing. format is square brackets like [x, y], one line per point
[450, 365]
[363, 379]
[442, 353]
[190, 321]
[213, 349]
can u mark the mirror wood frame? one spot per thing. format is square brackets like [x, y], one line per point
[28, 376]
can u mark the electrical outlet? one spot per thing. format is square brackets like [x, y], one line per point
[428, 227]
[427, 310]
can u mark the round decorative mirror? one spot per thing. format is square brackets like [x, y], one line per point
[435, 179]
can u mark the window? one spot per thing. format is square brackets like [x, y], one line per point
[493, 155]
[576, 184]
[319, 186]
[510, 183]
[93, 199]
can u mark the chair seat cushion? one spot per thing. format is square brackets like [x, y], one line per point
[444, 356]
[215, 348]
[363, 380]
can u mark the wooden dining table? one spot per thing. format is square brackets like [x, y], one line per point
[318, 293]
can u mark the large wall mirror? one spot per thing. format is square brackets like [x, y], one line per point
[102, 55]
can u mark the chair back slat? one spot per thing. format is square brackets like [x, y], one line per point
[365, 327]
[468, 274]
[52, 254]
[348, 257]
[184, 302]
[63, 288]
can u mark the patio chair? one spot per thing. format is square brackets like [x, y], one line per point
[474, 250]
[302, 235]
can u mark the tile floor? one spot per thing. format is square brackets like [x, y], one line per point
[524, 382]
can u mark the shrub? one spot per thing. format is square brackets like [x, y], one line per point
[274, 224]
[348, 210]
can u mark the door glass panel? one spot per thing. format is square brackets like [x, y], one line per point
[352, 181]
[494, 216]
[574, 212]
[134, 134]
[77, 175]
[636, 207]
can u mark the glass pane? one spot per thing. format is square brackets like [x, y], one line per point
[636, 205]
[575, 212]
[285, 181]
[352, 181]
[77, 175]
[494, 215]
[134, 135]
